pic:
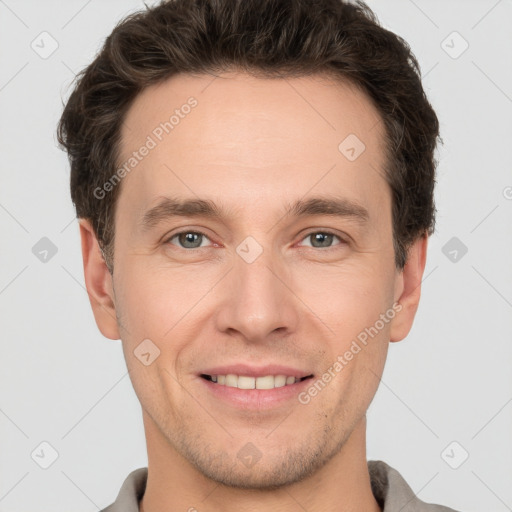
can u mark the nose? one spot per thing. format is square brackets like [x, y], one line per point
[257, 300]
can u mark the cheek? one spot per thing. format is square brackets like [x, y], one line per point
[354, 370]
[151, 303]
[350, 302]
[347, 299]
[156, 313]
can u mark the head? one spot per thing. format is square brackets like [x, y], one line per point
[254, 182]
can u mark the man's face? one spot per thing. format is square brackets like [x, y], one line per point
[257, 288]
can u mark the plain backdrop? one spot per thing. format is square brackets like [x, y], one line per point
[443, 413]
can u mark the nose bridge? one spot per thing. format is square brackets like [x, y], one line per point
[257, 302]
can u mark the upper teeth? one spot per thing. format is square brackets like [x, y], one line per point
[246, 382]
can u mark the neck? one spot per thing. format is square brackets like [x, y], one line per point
[343, 484]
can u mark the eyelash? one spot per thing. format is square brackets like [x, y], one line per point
[323, 232]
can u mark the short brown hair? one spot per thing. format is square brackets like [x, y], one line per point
[288, 38]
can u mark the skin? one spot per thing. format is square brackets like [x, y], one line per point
[251, 145]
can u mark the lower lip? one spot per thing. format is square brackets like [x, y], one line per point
[257, 398]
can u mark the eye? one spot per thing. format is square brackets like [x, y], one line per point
[195, 239]
[323, 239]
[188, 239]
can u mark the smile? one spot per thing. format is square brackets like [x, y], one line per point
[248, 382]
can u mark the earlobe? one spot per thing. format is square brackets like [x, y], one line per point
[98, 282]
[409, 289]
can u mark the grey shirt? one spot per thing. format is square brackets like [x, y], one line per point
[388, 486]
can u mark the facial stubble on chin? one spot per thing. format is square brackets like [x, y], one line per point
[270, 472]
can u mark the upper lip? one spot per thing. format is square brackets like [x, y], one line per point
[253, 371]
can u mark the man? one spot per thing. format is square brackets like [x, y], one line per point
[254, 182]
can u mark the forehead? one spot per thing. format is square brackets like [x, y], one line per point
[253, 136]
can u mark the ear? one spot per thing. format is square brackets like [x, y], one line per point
[98, 282]
[408, 289]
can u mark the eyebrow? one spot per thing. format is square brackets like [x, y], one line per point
[169, 207]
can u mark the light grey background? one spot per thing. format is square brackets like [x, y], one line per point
[62, 383]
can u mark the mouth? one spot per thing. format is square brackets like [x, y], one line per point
[252, 382]
[247, 387]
